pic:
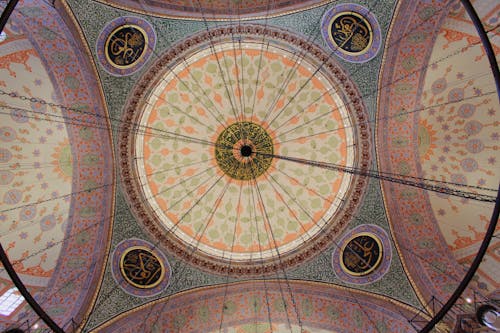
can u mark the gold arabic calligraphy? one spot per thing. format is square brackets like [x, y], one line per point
[126, 45]
[351, 33]
[142, 268]
[361, 255]
[228, 145]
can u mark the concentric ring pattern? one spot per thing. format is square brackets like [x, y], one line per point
[223, 168]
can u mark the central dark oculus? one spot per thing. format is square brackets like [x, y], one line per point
[244, 150]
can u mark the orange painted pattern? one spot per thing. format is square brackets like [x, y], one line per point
[229, 215]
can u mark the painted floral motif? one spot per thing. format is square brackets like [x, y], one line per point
[464, 126]
[271, 328]
[46, 211]
[234, 218]
[446, 116]
[208, 9]
[426, 140]
[20, 57]
[63, 161]
[307, 106]
[312, 308]
[28, 143]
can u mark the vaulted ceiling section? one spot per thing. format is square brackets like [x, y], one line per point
[208, 166]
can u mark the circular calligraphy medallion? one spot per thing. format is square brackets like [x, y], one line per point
[362, 254]
[125, 45]
[244, 151]
[211, 177]
[140, 268]
[352, 32]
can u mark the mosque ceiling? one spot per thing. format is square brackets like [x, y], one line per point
[265, 213]
[450, 111]
[209, 10]
[473, 158]
[56, 179]
[324, 309]
[164, 160]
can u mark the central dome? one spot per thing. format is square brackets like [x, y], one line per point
[222, 164]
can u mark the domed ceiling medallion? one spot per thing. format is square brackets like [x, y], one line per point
[139, 268]
[125, 45]
[363, 255]
[244, 151]
[205, 144]
[352, 32]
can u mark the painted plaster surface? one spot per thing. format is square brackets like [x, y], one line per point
[206, 10]
[304, 117]
[57, 178]
[263, 327]
[297, 129]
[37, 164]
[112, 300]
[460, 141]
[440, 105]
[245, 307]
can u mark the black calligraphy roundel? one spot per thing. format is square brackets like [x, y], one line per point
[126, 45]
[141, 268]
[361, 254]
[351, 32]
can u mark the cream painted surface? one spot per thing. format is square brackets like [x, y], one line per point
[459, 137]
[273, 328]
[241, 228]
[35, 165]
